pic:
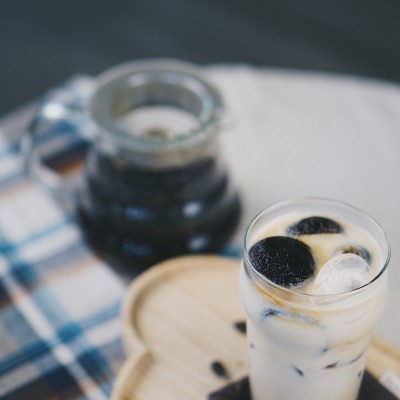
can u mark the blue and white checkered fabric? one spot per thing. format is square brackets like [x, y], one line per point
[59, 304]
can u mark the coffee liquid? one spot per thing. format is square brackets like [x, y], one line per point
[143, 214]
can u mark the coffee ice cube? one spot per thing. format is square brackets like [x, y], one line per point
[314, 225]
[356, 249]
[285, 261]
[342, 273]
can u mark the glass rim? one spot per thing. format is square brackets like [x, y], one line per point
[206, 125]
[314, 295]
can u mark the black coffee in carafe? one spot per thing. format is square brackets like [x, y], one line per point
[155, 185]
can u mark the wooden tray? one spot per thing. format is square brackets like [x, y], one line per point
[178, 317]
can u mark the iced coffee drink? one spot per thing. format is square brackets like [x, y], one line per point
[313, 284]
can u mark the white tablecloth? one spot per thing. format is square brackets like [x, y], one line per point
[297, 134]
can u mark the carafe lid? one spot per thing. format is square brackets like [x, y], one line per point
[156, 106]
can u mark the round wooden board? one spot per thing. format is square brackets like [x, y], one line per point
[178, 317]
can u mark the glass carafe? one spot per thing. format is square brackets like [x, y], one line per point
[154, 183]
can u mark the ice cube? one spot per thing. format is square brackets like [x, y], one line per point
[342, 273]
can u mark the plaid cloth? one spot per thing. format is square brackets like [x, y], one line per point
[59, 304]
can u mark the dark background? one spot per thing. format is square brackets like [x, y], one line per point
[43, 42]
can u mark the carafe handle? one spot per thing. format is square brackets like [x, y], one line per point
[61, 123]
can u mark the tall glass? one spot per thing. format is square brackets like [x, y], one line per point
[305, 345]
